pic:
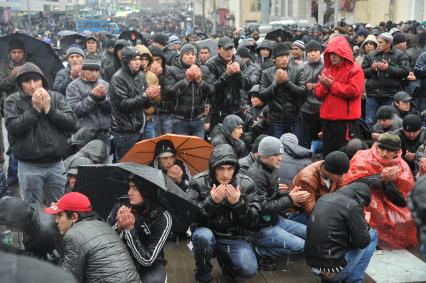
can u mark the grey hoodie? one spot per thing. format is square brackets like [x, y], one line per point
[295, 158]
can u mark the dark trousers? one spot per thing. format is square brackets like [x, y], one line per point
[311, 128]
[336, 134]
[277, 129]
[123, 142]
[156, 273]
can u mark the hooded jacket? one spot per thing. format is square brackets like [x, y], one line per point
[128, 100]
[295, 158]
[164, 106]
[38, 137]
[224, 136]
[272, 202]
[361, 56]
[253, 73]
[115, 65]
[400, 230]
[187, 97]
[151, 78]
[310, 72]
[283, 100]
[385, 83]
[93, 112]
[227, 97]
[342, 101]
[336, 226]
[146, 240]
[224, 219]
[167, 146]
[264, 62]
[95, 152]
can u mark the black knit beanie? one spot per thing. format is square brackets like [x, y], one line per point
[337, 163]
[312, 46]
[412, 123]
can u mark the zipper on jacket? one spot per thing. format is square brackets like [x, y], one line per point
[192, 108]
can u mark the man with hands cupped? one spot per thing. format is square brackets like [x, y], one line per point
[228, 208]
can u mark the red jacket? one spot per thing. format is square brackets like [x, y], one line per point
[342, 101]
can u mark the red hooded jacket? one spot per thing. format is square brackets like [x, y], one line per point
[342, 101]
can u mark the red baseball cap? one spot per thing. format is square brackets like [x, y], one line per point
[70, 202]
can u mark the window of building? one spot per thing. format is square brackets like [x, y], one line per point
[255, 5]
[290, 8]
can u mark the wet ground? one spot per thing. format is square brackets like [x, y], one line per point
[399, 266]
[181, 265]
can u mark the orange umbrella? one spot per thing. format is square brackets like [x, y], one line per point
[192, 150]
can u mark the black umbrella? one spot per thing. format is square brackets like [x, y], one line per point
[36, 51]
[273, 35]
[104, 184]
[67, 40]
[127, 36]
[66, 32]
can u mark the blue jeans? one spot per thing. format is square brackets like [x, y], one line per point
[123, 142]
[235, 257]
[277, 129]
[189, 127]
[163, 124]
[12, 169]
[41, 183]
[372, 104]
[357, 263]
[285, 238]
[149, 131]
[299, 217]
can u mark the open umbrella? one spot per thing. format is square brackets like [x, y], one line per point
[210, 43]
[127, 36]
[66, 32]
[68, 40]
[194, 151]
[104, 184]
[37, 52]
[273, 35]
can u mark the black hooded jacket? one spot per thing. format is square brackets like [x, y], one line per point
[337, 225]
[272, 201]
[187, 97]
[167, 146]
[38, 137]
[128, 100]
[115, 64]
[295, 158]
[264, 62]
[224, 219]
[146, 240]
[224, 136]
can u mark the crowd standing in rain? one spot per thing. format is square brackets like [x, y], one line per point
[315, 140]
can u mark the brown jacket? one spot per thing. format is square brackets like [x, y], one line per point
[309, 179]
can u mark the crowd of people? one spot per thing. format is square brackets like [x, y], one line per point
[317, 143]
